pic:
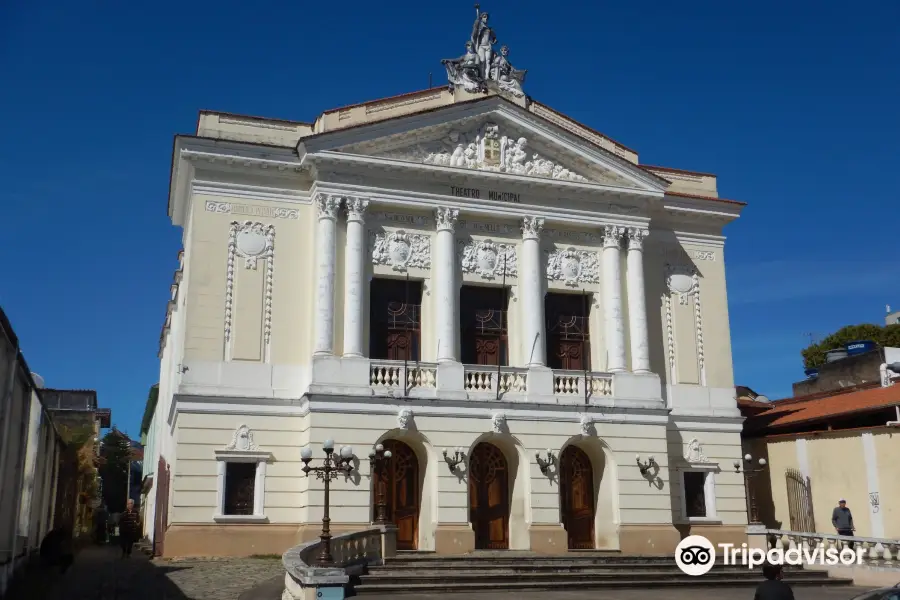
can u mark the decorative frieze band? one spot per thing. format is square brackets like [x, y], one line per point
[229, 208]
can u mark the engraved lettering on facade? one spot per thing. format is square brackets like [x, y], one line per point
[399, 218]
[484, 227]
[704, 255]
[227, 208]
[461, 192]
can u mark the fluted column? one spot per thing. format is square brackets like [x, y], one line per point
[354, 266]
[612, 299]
[446, 289]
[327, 206]
[532, 290]
[637, 303]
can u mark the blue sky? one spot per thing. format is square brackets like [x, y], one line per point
[793, 104]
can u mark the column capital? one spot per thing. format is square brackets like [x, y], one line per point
[532, 227]
[327, 205]
[356, 208]
[636, 237]
[446, 218]
[612, 236]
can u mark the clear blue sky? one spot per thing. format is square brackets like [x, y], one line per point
[793, 104]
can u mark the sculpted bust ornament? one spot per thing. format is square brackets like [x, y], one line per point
[481, 67]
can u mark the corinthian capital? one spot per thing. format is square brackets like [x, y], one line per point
[612, 236]
[446, 218]
[356, 208]
[636, 237]
[532, 227]
[328, 205]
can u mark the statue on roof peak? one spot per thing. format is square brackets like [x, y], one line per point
[481, 67]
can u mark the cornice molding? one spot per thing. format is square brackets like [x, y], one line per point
[249, 192]
[241, 161]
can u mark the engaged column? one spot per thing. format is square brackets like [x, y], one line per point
[446, 289]
[354, 265]
[327, 206]
[637, 303]
[532, 289]
[612, 299]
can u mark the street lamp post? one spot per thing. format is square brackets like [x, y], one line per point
[377, 459]
[331, 467]
[750, 472]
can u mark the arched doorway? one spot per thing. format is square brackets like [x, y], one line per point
[489, 497]
[400, 478]
[576, 489]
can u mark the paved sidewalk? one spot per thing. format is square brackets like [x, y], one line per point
[100, 574]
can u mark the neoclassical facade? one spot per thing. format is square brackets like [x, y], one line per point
[508, 300]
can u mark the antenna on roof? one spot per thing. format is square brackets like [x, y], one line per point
[429, 81]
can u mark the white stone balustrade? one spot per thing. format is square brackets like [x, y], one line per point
[572, 383]
[391, 374]
[877, 552]
[485, 378]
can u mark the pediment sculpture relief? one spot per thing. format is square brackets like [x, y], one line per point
[487, 149]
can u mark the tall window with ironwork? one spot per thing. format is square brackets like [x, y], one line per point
[694, 493]
[568, 331]
[240, 482]
[483, 319]
[394, 318]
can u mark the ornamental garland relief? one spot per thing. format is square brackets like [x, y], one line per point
[401, 250]
[572, 266]
[488, 259]
[251, 242]
[683, 282]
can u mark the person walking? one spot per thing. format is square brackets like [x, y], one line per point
[129, 528]
[842, 519]
[773, 588]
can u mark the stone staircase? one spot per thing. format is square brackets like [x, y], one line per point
[417, 572]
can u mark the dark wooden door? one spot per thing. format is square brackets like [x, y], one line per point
[489, 497]
[487, 349]
[400, 478]
[577, 491]
[400, 345]
[570, 354]
[161, 518]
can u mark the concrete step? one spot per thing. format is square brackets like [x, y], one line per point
[556, 584]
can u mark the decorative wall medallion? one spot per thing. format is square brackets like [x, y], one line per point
[402, 250]
[498, 423]
[573, 266]
[487, 259]
[252, 241]
[404, 418]
[683, 281]
[586, 421]
[694, 452]
[242, 440]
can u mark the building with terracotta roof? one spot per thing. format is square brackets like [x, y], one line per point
[468, 277]
[824, 447]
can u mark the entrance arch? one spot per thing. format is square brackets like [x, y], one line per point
[576, 490]
[489, 497]
[400, 481]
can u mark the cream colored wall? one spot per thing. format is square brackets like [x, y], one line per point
[292, 305]
[716, 327]
[688, 183]
[252, 129]
[837, 469]
[719, 447]
[887, 449]
[200, 435]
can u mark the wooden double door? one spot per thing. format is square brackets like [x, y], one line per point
[576, 490]
[400, 483]
[489, 497]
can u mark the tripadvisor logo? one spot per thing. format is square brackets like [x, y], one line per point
[695, 555]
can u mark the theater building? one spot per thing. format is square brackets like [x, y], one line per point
[508, 300]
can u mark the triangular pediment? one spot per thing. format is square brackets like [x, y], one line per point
[493, 137]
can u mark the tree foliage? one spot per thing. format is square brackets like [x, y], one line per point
[883, 335]
[116, 460]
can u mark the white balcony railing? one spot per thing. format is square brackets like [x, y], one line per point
[396, 375]
[485, 378]
[572, 383]
[877, 552]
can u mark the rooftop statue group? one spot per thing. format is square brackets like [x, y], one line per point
[481, 64]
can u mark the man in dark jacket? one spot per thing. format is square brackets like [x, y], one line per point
[129, 528]
[842, 519]
[773, 588]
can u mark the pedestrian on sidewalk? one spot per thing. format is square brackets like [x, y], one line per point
[129, 528]
[842, 519]
[773, 588]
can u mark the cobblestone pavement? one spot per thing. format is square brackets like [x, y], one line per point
[100, 574]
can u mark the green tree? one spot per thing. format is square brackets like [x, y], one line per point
[883, 335]
[115, 453]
